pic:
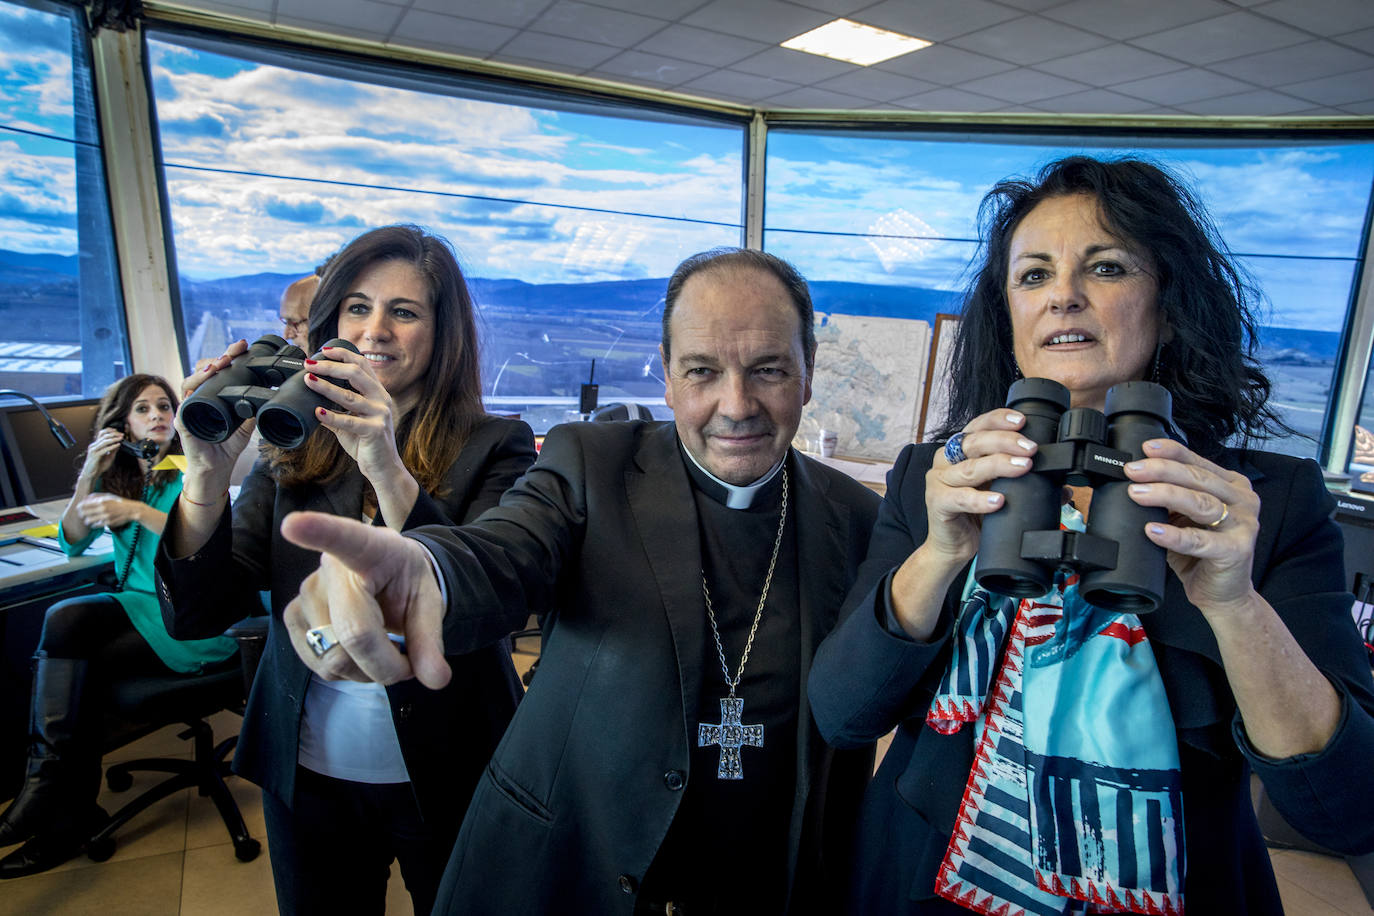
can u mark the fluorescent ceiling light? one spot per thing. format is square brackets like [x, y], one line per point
[854, 42]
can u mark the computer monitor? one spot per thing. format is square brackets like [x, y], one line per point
[6, 487]
[1355, 514]
[40, 468]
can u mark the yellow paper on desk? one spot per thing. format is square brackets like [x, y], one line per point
[42, 531]
[171, 463]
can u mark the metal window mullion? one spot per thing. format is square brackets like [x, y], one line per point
[1359, 347]
[136, 207]
[755, 168]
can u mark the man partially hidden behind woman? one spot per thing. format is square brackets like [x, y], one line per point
[1051, 756]
[355, 775]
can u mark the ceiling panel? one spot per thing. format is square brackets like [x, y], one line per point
[770, 21]
[1322, 17]
[1221, 38]
[690, 43]
[649, 69]
[877, 85]
[1212, 57]
[424, 29]
[1122, 19]
[1256, 102]
[731, 84]
[1029, 40]
[565, 53]
[1108, 65]
[793, 66]
[1023, 85]
[596, 23]
[944, 65]
[356, 17]
[936, 20]
[951, 100]
[1346, 89]
[1182, 86]
[1094, 101]
[1362, 40]
[513, 13]
[1308, 61]
[813, 97]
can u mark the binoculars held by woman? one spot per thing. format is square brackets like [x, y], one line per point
[1022, 545]
[266, 382]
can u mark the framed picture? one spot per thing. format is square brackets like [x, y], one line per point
[935, 396]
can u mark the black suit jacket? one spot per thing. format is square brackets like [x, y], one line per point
[866, 681]
[447, 735]
[601, 536]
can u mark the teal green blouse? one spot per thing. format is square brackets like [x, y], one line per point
[138, 598]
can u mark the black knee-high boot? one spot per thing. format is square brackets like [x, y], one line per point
[57, 798]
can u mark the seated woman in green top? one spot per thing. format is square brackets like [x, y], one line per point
[88, 640]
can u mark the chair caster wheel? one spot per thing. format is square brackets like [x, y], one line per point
[100, 850]
[247, 850]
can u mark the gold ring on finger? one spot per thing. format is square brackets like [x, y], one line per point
[1225, 514]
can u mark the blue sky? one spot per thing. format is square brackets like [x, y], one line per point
[1270, 204]
[37, 174]
[376, 147]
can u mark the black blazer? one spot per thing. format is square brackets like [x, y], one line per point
[866, 681]
[446, 735]
[601, 535]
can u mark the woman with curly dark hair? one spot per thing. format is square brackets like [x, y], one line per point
[88, 640]
[1051, 755]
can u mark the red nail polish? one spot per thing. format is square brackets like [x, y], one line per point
[313, 377]
[321, 412]
[322, 349]
[310, 362]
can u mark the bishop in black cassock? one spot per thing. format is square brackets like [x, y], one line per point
[606, 795]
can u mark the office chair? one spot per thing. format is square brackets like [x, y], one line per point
[621, 410]
[141, 705]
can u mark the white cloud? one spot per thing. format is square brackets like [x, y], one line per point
[279, 122]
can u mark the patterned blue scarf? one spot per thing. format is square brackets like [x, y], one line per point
[1074, 802]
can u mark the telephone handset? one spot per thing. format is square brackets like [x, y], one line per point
[147, 449]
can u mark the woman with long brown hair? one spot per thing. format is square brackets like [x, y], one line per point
[91, 638]
[357, 774]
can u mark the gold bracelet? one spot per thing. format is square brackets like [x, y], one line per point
[204, 505]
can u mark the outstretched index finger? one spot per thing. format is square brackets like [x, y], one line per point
[396, 579]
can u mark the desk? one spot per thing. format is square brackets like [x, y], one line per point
[867, 471]
[27, 590]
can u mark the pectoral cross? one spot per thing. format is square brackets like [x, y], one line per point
[731, 736]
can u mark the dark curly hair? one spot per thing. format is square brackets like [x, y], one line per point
[1219, 390]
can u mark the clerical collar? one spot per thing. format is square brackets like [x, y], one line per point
[734, 497]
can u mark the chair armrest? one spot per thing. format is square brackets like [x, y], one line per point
[251, 635]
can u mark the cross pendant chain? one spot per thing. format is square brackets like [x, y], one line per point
[731, 736]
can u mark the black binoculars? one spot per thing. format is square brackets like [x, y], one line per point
[265, 382]
[1022, 545]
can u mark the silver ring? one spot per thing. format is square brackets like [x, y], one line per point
[1225, 514]
[320, 639]
[954, 448]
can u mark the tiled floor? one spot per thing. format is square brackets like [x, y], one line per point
[175, 859]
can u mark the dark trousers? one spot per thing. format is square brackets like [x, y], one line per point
[332, 848]
[96, 629]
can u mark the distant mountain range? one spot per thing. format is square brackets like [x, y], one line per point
[38, 291]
